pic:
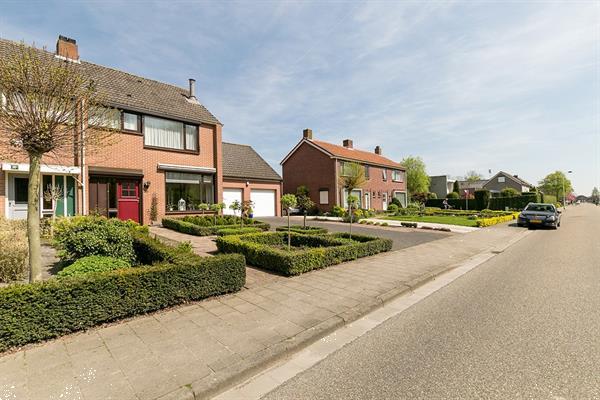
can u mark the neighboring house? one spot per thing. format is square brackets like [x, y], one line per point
[441, 185]
[469, 187]
[247, 176]
[503, 180]
[167, 146]
[318, 166]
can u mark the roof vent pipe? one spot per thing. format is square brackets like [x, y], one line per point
[192, 93]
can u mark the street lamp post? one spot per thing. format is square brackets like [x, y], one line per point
[564, 193]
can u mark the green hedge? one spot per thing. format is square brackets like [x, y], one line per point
[39, 311]
[267, 250]
[514, 203]
[457, 204]
[309, 230]
[237, 231]
[150, 251]
[184, 226]
[93, 264]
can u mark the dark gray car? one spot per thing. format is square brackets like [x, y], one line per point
[539, 214]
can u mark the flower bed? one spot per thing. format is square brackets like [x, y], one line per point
[269, 250]
[205, 226]
[309, 230]
[483, 222]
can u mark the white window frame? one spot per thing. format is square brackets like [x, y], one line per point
[405, 196]
[397, 176]
[501, 179]
[345, 198]
[324, 196]
[384, 174]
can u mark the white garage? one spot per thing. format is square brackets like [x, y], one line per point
[229, 196]
[264, 202]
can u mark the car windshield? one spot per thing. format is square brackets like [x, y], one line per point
[540, 207]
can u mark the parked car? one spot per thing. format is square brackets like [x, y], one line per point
[539, 214]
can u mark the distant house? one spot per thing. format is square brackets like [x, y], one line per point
[441, 185]
[318, 165]
[469, 187]
[247, 176]
[503, 180]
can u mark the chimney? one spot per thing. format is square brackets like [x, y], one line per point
[66, 49]
[307, 134]
[192, 93]
[348, 143]
[378, 150]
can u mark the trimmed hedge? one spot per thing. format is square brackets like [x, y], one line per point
[483, 222]
[457, 204]
[237, 231]
[39, 311]
[309, 230]
[184, 226]
[150, 251]
[514, 203]
[321, 250]
[93, 265]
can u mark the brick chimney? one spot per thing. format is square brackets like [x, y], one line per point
[348, 143]
[66, 48]
[378, 150]
[307, 134]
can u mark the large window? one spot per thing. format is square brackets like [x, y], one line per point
[185, 191]
[165, 133]
[105, 117]
[131, 122]
[398, 176]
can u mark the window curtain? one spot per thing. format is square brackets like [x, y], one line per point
[191, 137]
[163, 133]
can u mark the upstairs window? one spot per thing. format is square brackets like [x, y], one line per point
[105, 118]
[397, 176]
[384, 174]
[501, 179]
[169, 134]
[366, 171]
[131, 122]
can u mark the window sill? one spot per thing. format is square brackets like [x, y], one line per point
[195, 152]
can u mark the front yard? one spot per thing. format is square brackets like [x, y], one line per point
[437, 219]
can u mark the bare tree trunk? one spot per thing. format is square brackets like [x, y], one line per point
[304, 219]
[289, 237]
[350, 210]
[33, 219]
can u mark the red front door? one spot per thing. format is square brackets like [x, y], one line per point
[128, 200]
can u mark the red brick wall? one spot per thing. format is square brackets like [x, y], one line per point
[314, 169]
[377, 186]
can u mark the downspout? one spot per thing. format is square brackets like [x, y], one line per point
[83, 172]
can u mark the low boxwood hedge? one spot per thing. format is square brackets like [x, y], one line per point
[237, 231]
[39, 311]
[309, 230]
[185, 226]
[267, 250]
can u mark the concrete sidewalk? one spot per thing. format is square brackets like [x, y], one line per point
[196, 350]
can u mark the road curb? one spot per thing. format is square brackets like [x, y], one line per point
[221, 381]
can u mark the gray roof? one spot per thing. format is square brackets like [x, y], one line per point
[242, 161]
[135, 93]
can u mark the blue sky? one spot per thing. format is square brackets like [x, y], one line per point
[469, 85]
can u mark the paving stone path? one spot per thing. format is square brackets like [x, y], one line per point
[192, 350]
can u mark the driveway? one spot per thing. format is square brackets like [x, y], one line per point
[402, 237]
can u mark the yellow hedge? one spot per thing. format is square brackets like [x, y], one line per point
[483, 222]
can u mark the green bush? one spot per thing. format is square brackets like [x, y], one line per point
[268, 250]
[151, 251]
[392, 208]
[309, 230]
[237, 231]
[78, 237]
[452, 195]
[39, 311]
[514, 203]
[14, 250]
[190, 225]
[482, 199]
[93, 264]
[338, 211]
[509, 192]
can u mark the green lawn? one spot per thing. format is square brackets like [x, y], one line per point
[436, 219]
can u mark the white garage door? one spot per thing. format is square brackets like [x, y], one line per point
[264, 202]
[229, 196]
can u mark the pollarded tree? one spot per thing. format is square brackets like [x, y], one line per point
[352, 177]
[417, 180]
[304, 201]
[44, 103]
[288, 201]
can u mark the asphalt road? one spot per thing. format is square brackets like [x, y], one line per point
[402, 237]
[525, 324]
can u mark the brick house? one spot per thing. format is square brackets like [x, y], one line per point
[167, 147]
[318, 166]
[247, 176]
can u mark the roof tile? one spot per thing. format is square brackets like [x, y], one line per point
[356, 155]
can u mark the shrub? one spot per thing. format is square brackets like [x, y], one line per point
[43, 310]
[14, 250]
[509, 192]
[483, 222]
[266, 250]
[150, 250]
[203, 226]
[482, 199]
[82, 236]
[514, 203]
[237, 231]
[310, 230]
[338, 211]
[93, 264]
[452, 195]
[392, 208]
[384, 224]
[396, 202]
[409, 224]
